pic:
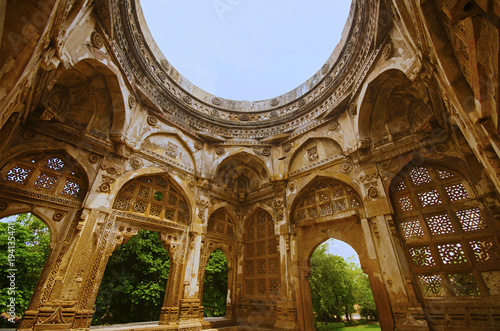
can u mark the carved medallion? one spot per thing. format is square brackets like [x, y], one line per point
[302, 102]
[333, 125]
[266, 152]
[136, 163]
[93, 158]
[287, 147]
[329, 80]
[220, 150]
[274, 114]
[216, 101]
[274, 102]
[131, 101]
[187, 99]
[165, 64]
[58, 216]
[387, 51]
[214, 112]
[312, 154]
[161, 76]
[153, 121]
[198, 145]
[346, 167]
[373, 192]
[244, 118]
[97, 40]
[442, 148]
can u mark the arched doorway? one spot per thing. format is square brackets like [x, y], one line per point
[134, 281]
[329, 208]
[24, 249]
[340, 290]
[215, 285]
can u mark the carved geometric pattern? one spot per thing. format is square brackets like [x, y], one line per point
[420, 175]
[71, 188]
[492, 280]
[485, 250]
[249, 268]
[140, 207]
[153, 196]
[261, 287]
[444, 174]
[261, 252]
[432, 285]
[422, 256]
[261, 248]
[464, 284]
[439, 224]
[456, 192]
[444, 231]
[274, 287]
[55, 163]
[452, 253]
[17, 175]
[261, 267]
[155, 211]
[429, 198]
[401, 186]
[274, 266]
[272, 246]
[46, 181]
[249, 287]
[471, 219]
[354, 202]
[122, 203]
[412, 229]
[250, 250]
[324, 198]
[405, 203]
[144, 191]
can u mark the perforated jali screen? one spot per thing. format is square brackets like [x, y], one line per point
[262, 261]
[450, 240]
[154, 197]
[46, 173]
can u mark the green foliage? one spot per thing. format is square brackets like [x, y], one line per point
[32, 240]
[133, 286]
[215, 285]
[337, 286]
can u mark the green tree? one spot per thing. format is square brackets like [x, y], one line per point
[31, 250]
[363, 293]
[215, 285]
[332, 286]
[134, 282]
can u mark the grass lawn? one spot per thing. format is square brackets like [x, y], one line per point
[362, 327]
[373, 327]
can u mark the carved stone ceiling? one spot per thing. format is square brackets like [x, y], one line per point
[179, 102]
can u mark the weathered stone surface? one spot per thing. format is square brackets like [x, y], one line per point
[391, 147]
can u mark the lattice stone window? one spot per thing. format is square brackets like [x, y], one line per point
[153, 196]
[446, 233]
[49, 174]
[220, 224]
[324, 198]
[262, 262]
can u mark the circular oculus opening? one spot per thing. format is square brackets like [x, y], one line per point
[246, 49]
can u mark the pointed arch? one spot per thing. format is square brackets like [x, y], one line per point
[154, 196]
